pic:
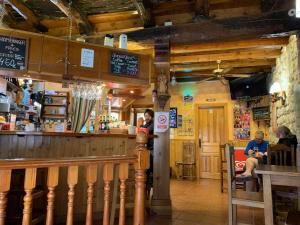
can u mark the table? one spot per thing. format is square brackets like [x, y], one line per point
[277, 175]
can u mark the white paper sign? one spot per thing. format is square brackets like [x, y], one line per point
[161, 122]
[87, 58]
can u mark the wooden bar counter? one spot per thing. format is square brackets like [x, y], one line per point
[59, 145]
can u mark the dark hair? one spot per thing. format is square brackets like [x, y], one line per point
[150, 112]
[285, 131]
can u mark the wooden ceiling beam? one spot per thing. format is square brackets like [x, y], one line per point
[225, 64]
[144, 12]
[78, 16]
[245, 70]
[242, 54]
[24, 11]
[270, 25]
[230, 45]
[112, 17]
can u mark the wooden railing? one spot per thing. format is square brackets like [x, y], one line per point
[140, 161]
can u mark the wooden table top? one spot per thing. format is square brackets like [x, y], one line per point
[278, 170]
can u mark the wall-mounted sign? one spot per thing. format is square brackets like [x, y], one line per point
[241, 115]
[179, 121]
[13, 53]
[188, 98]
[161, 122]
[87, 57]
[261, 113]
[124, 64]
[173, 117]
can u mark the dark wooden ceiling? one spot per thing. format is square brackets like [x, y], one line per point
[241, 33]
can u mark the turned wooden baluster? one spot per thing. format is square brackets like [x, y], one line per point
[141, 166]
[4, 188]
[72, 181]
[29, 185]
[52, 182]
[123, 175]
[91, 178]
[108, 171]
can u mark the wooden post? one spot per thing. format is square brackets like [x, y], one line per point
[4, 188]
[108, 174]
[29, 185]
[123, 175]
[72, 181]
[52, 182]
[161, 202]
[91, 178]
[140, 178]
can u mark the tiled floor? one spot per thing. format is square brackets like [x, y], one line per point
[201, 203]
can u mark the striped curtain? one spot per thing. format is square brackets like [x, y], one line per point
[81, 109]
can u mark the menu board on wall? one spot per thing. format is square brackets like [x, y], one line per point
[173, 117]
[124, 64]
[13, 53]
[261, 113]
[241, 121]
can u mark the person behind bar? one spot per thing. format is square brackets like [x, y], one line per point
[149, 118]
[256, 149]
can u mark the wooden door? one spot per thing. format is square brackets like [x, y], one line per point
[212, 133]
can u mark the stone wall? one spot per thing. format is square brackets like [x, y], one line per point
[286, 72]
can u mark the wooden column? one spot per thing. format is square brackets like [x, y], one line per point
[91, 178]
[123, 175]
[4, 188]
[161, 202]
[52, 182]
[29, 185]
[140, 179]
[72, 181]
[108, 175]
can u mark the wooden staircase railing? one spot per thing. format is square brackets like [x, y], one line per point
[140, 161]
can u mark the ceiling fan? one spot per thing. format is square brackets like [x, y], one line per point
[218, 73]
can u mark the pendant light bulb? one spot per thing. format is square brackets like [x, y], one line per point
[173, 81]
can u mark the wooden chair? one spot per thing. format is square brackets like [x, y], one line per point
[188, 164]
[223, 166]
[238, 197]
[278, 155]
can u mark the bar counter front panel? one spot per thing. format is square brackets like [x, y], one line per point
[58, 145]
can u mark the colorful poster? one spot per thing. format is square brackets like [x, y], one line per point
[161, 122]
[241, 121]
[173, 117]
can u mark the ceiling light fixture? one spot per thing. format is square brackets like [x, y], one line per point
[131, 92]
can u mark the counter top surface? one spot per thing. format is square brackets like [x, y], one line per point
[69, 134]
[65, 134]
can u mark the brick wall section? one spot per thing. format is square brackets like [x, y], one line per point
[287, 73]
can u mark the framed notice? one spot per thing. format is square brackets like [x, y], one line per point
[124, 64]
[13, 53]
[173, 117]
[161, 122]
[87, 58]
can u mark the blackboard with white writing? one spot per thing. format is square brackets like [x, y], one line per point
[13, 52]
[124, 64]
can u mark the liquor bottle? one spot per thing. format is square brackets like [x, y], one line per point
[69, 125]
[107, 123]
[103, 123]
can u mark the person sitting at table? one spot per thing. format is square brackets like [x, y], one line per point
[287, 138]
[256, 149]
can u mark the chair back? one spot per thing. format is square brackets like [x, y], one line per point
[229, 149]
[189, 156]
[279, 154]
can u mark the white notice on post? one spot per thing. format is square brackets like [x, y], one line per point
[87, 58]
[161, 122]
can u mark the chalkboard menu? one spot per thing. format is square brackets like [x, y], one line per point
[261, 113]
[124, 64]
[13, 52]
[173, 117]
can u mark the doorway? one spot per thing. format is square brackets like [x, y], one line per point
[212, 131]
